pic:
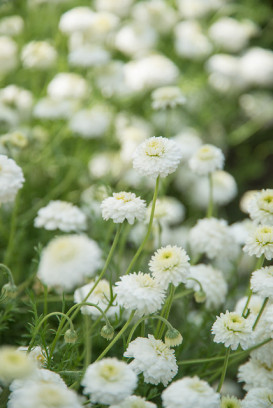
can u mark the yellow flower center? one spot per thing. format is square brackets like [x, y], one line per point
[123, 196]
[155, 148]
[109, 372]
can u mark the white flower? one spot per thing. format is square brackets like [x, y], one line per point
[256, 67]
[212, 281]
[77, 19]
[254, 307]
[36, 394]
[11, 179]
[246, 199]
[19, 99]
[207, 159]
[168, 211]
[37, 354]
[156, 13]
[240, 230]
[109, 381]
[261, 282]
[190, 9]
[14, 364]
[190, 42]
[119, 7]
[123, 206]
[8, 54]
[67, 260]
[150, 72]
[189, 141]
[91, 123]
[54, 109]
[67, 85]
[140, 292]
[213, 237]
[11, 25]
[88, 56]
[233, 330]
[39, 55]
[167, 97]
[61, 215]
[170, 265]
[224, 189]
[230, 34]
[100, 296]
[152, 358]
[42, 375]
[255, 374]
[134, 401]
[190, 393]
[230, 402]
[260, 242]
[260, 207]
[134, 38]
[157, 156]
[258, 397]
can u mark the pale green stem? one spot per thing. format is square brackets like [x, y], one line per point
[45, 299]
[142, 319]
[260, 313]
[259, 264]
[9, 249]
[210, 205]
[77, 307]
[115, 339]
[222, 379]
[87, 342]
[165, 312]
[36, 331]
[183, 293]
[197, 281]
[145, 239]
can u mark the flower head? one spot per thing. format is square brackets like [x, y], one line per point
[258, 397]
[67, 260]
[261, 282]
[260, 242]
[61, 215]
[123, 206]
[109, 381]
[190, 392]
[153, 358]
[170, 265]
[134, 401]
[14, 364]
[233, 330]
[167, 97]
[140, 292]
[230, 402]
[11, 179]
[260, 207]
[207, 159]
[157, 156]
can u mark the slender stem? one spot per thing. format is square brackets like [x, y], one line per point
[210, 204]
[200, 360]
[183, 293]
[87, 342]
[260, 313]
[45, 299]
[222, 379]
[105, 351]
[165, 312]
[259, 264]
[10, 246]
[133, 261]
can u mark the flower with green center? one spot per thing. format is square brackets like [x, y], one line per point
[157, 156]
[207, 159]
[260, 242]
[230, 402]
[170, 264]
[123, 206]
[233, 330]
[167, 97]
[14, 364]
[134, 401]
[109, 381]
[260, 207]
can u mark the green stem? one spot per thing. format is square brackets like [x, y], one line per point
[145, 239]
[10, 246]
[87, 342]
[36, 331]
[183, 293]
[165, 312]
[222, 379]
[210, 204]
[260, 313]
[259, 264]
[105, 351]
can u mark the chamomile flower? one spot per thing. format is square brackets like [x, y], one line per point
[207, 159]
[167, 97]
[230, 402]
[14, 364]
[11, 179]
[255, 374]
[190, 392]
[109, 381]
[134, 401]
[261, 282]
[258, 397]
[123, 206]
[67, 260]
[260, 207]
[139, 292]
[61, 215]
[157, 156]
[170, 264]
[260, 242]
[153, 358]
[233, 330]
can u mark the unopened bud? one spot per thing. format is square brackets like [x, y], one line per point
[70, 336]
[200, 296]
[173, 338]
[107, 332]
[9, 291]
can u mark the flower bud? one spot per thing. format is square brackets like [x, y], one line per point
[107, 332]
[173, 338]
[200, 296]
[70, 336]
[9, 291]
